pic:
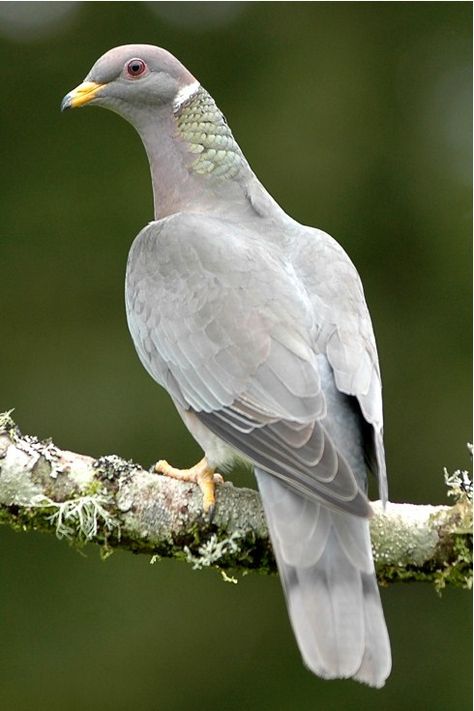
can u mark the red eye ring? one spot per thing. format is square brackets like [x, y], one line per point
[135, 68]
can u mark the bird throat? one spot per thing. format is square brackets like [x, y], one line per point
[204, 128]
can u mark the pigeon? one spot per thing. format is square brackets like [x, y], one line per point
[258, 329]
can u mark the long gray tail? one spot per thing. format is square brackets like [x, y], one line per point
[325, 562]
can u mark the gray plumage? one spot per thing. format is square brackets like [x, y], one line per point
[258, 328]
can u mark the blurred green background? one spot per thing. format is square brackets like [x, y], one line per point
[357, 118]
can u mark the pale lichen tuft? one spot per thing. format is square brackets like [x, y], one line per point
[213, 551]
[81, 518]
[459, 485]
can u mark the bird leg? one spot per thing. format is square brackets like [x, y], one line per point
[201, 474]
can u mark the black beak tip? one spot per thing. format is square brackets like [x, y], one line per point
[66, 103]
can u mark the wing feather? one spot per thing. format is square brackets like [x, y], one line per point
[223, 321]
[344, 334]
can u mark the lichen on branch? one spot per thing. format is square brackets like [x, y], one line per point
[118, 504]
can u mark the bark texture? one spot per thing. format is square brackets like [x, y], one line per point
[117, 504]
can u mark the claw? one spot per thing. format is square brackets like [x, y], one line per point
[201, 474]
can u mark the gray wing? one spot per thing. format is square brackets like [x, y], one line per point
[223, 323]
[345, 334]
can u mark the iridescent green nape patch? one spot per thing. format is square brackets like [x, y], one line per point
[202, 125]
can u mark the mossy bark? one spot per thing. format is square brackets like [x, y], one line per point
[117, 504]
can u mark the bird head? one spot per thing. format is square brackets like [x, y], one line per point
[131, 76]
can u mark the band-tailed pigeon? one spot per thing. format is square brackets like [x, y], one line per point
[258, 328]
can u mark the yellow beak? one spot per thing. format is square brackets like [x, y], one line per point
[81, 95]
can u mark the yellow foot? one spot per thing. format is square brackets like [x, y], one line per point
[201, 474]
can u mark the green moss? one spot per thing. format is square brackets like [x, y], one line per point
[22, 519]
[93, 488]
[458, 571]
[456, 535]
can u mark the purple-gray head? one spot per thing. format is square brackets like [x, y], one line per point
[192, 154]
[131, 76]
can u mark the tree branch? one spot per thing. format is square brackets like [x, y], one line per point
[117, 504]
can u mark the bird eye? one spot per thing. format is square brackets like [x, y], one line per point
[135, 67]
